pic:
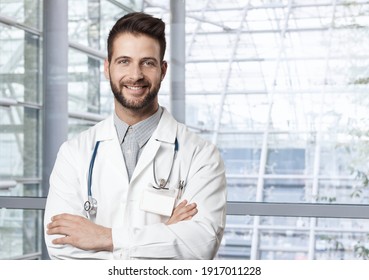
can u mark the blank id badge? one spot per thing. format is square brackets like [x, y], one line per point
[159, 201]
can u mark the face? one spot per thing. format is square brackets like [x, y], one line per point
[135, 71]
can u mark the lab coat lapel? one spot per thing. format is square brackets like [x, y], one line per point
[161, 143]
[146, 158]
[110, 147]
[114, 159]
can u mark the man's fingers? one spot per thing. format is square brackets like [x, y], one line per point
[183, 212]
[187, 214]
[80, 233]
[66, 217]
[64, 230]
[61, 240]
[186, 209]
[182, 207]
[63, 224]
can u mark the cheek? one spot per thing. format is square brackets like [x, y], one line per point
[116, 76]
[155, 77]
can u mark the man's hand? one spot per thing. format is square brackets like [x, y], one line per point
[182, 212]
[80, 232]
[86, 235]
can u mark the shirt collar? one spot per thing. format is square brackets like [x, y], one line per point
[142, 130]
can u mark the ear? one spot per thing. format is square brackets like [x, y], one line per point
[164, 67]
[106, 69]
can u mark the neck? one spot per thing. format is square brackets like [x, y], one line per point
[131, 117]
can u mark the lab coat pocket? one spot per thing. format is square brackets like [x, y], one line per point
[158, 201]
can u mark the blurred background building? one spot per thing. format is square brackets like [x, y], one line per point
[281, 87]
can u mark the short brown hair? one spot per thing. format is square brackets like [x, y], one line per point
[138, 23]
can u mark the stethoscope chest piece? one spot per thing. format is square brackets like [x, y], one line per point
[90, 206]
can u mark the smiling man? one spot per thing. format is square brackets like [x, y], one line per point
[135, 71]
[137, 185]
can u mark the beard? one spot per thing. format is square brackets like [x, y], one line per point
[134, 105]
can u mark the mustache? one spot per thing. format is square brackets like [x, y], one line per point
[139, 83]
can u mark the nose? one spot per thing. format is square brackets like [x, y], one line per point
[135, 73]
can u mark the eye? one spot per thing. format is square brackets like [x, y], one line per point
[123, 61]
[149, 63]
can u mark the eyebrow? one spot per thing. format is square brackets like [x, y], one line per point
[149, 57]
[142, 59]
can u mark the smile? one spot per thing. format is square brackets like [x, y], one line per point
[135, 87]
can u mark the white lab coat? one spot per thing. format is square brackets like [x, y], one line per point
[138, 234]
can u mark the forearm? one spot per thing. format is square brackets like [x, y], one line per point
[183, 240]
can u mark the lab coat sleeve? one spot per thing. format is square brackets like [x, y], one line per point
[198, 238]
[64, 197]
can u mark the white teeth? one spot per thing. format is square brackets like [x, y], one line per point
[134, 88]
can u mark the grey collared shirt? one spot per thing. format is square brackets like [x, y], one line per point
[133, 138]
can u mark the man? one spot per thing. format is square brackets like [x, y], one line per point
[137, 185]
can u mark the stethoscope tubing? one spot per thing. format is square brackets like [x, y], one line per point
[90, 170]
[160, 185]
[162, 182]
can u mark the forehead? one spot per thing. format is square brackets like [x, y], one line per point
[135, 46]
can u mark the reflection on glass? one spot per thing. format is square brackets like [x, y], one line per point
[19, 143]
[19, 65]
[236, 243]
[20, 233]
[23, 11]
[76, 126]
[241, 189]
[84, 83]
[342, 239]
[295, 238]
[90, 21]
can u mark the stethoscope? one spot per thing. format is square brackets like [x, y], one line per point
[163, 182]
[90, 204]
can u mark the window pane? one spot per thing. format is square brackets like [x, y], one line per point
[294, 238]
[24, 11]
[19, 143]
[19, 65]
[21, 233]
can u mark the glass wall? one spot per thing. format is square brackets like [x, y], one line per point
[20, 124]
[281, 87]
[21, 103]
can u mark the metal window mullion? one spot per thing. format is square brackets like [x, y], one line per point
[13, 23]
[302, 229]
[317, 152]
[18, 138]
[289, 30]
[200, 19]
[177, 97]
[228, 77]
[281, 5]
[87, 116]
[88, 50]
[22, 202]
[340, 211]
[264, 151]
[318, 210]
[198, 25]
[122, 6]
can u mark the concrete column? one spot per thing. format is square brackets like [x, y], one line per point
[55, 85]
[177, 64]
[31, 126]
